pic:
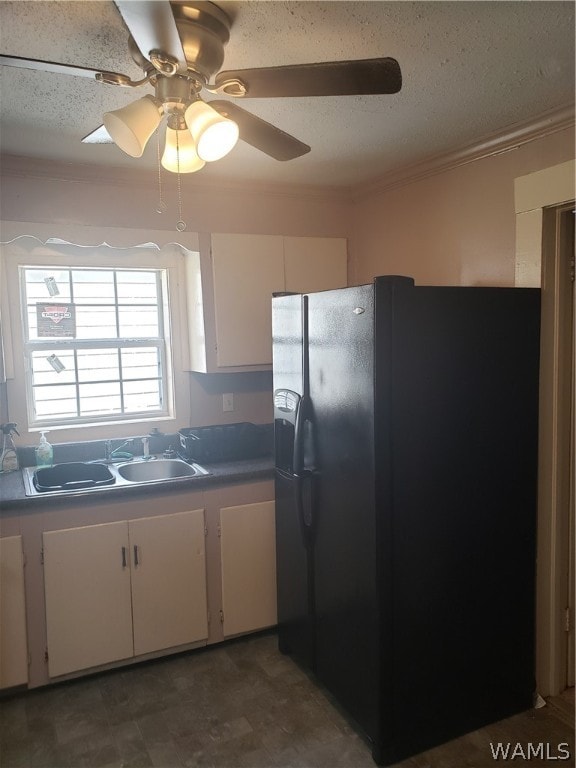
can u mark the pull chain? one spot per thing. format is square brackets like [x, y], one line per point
[180, 224]
[161, 204]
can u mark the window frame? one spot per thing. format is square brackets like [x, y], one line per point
[161, 343]
[28, 251]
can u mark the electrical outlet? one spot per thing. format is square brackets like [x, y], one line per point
[228, 402]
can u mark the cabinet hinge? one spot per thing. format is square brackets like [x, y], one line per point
[567, 620]
[42, 556]
[222, 617]
[46, 655]
[205, 530]
[219, 531]
[572, 268]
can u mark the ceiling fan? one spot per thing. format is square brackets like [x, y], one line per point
[179, 45]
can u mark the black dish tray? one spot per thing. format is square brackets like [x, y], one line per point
[72, 475]
[223, 442]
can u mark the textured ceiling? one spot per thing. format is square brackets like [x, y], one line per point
[469, 69]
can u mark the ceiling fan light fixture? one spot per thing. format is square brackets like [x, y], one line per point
[180, 154]
[214, 135]
[131, 126]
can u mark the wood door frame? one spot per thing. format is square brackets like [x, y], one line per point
[540, 200]
[555, 470]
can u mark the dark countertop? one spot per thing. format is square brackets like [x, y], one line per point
[13, 496]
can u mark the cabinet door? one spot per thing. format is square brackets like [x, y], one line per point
[247, 269]
[248, 567]
[168, 580]
[315, 263]
[88, 608]
[13, 646]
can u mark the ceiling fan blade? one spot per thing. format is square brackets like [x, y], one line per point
[53, 66]
[260, 134]
[152, 26]
[332, 78]
[98, 136]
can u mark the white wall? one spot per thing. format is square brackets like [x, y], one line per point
[452, 227]
[456, 227]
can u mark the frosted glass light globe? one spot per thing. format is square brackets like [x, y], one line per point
[213, 134]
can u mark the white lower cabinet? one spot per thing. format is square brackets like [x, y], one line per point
[168, 581]
[13, 641]
[125, 588]
[248, 564]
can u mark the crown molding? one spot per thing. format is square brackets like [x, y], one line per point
[507, 140]
[16, 166]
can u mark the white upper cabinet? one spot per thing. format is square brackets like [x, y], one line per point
[230, 287]
[247, 270]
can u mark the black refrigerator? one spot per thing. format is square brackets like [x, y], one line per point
[406, 463]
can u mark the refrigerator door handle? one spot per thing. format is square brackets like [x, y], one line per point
[298, 460]
[305, 471]
[306, 502]
[303, 492]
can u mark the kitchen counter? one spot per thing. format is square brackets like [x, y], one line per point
[13, 496]
[192, 530]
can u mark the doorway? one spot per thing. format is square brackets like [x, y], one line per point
[557, 459]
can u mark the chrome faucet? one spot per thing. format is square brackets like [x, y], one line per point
[109, 453]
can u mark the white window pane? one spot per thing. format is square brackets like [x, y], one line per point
[151, 371]
[44, 373]
[32, 322]
[54, 402]
[142, 396]
[98, 365]
[93, 286]
[102, 398]
[140, 362]
[95, 322]
[138, 322]
[136, 287]
[39, 280]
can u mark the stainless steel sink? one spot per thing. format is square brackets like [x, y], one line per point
[87, 477]
[158, 469]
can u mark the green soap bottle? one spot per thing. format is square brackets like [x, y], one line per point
[44, 452]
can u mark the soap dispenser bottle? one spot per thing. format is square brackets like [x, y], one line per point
[9, 457]
[44, 452]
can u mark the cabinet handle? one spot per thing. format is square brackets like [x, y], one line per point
[123, 557]
[136, 554]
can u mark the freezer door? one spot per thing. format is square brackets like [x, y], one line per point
[286, 412]
[341, 393]
[287, 335]
[293, 574]
[294, 547]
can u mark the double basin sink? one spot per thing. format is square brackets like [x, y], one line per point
[80, 476]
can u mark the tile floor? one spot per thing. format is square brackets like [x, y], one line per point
[238, 705]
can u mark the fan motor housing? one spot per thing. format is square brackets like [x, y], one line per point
[204, 30]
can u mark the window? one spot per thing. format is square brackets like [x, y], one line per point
[95, 344]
